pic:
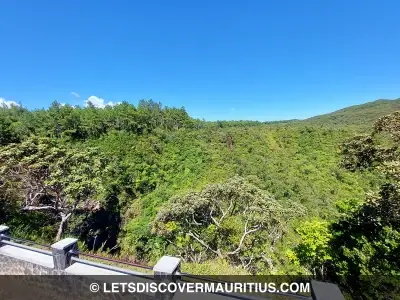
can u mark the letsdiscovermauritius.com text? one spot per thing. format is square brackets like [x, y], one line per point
[200, 287]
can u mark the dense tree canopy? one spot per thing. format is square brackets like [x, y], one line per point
[226, 220]
[367, 241]
[76, 123]
[51, 177]
[231, 197]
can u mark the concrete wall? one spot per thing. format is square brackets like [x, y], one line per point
[16, 259]
[14, 266]
[46, 286]
[78, 275]
[69, 285]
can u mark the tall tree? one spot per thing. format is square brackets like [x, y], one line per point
[225, 220]
[52, 178]
[367, 241]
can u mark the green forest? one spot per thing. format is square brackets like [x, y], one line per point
[318, 197]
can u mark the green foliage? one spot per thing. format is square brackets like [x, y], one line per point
[224, 220]
[366, 241]
[52, 178]
[214, 267]
[389, 124]
[137, 172]
[359, 153]
[366, 244]
[298, 164]
[313, 252]
[361, 116]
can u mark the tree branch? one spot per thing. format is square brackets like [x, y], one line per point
[205, 244]
[245, 265]
[32, 199]
[195, 222]
[32, 208]
[64, 219]
[214, 220]
[224, 213]
[246, 232]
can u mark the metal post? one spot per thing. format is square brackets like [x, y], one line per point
[4, 231]
[165, 271]
[61, 252]
[325, 291]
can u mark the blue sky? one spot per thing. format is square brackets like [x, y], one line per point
[256, 59]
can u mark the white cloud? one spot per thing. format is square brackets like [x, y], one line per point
[4, 102]
[99, 102]
[75, 94]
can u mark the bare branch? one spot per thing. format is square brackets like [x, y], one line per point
[64, 219]
[35, 197]
[103, 245]
[214, 220]
[268, 261]
[249, 262]
[32, 208]
[205, 244]
[245, 233]
[195, 222]
[224, 213]
[111, 249]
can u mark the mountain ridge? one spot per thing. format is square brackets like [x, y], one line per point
[358, 115]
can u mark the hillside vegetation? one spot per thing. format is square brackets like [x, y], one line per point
[363, 115]
[230, 197]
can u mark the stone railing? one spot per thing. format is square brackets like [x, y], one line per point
[63, 259]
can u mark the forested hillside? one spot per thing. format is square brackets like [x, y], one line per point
[363, 115]
[227, 197]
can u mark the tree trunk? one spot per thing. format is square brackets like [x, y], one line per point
[220, 255]
[64, 219]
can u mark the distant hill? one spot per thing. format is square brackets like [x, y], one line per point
[362, 115]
